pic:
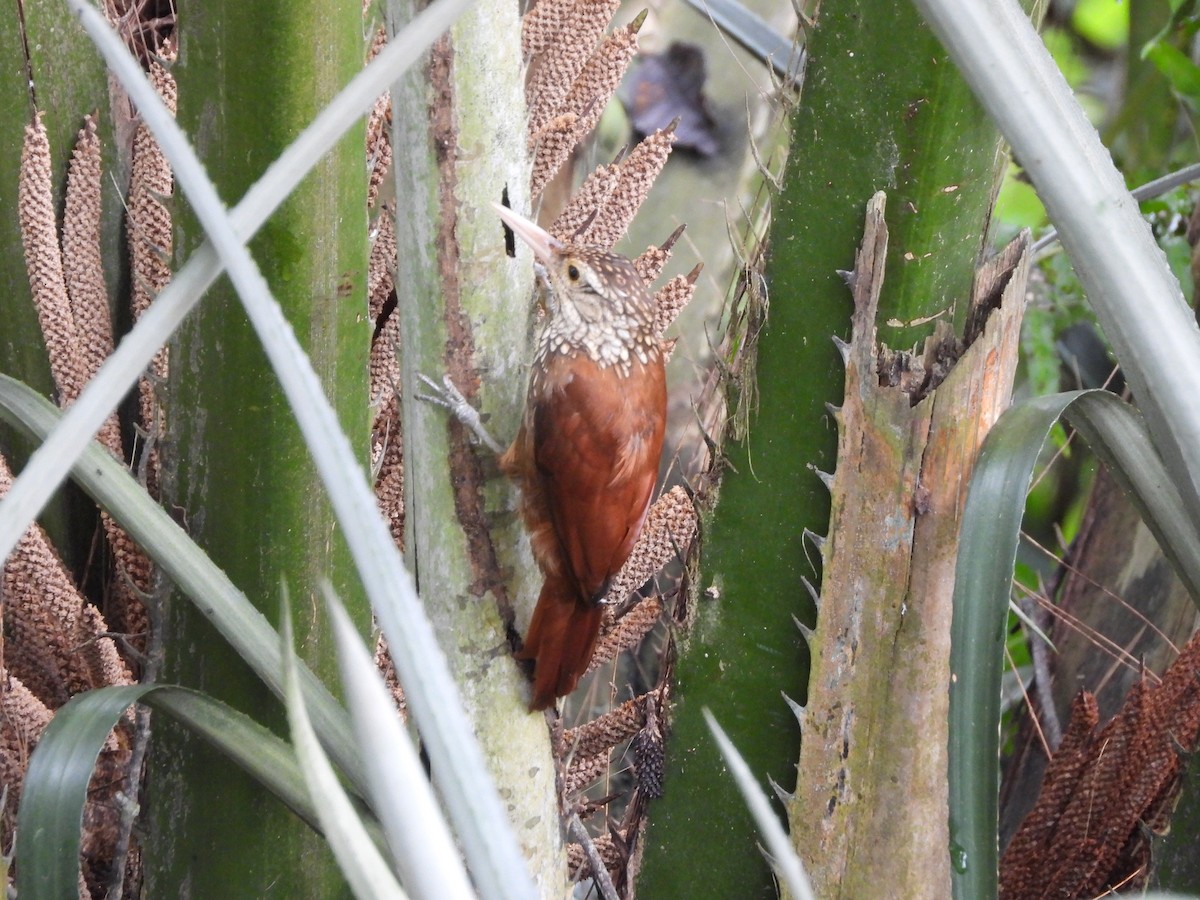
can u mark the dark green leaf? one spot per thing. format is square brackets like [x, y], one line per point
[987, 552]
[48, 821]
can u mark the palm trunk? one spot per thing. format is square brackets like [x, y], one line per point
[250, 77]
[881, 109]
[464, 307]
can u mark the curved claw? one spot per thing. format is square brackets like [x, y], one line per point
[449, 397]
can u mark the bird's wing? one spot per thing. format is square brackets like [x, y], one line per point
[598, 436]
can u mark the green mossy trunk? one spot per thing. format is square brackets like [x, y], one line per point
[250, 77]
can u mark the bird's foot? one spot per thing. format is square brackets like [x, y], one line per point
[448, 396]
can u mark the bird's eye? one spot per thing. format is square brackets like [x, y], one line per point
[573, 272]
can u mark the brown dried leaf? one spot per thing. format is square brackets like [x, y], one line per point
[669, 86]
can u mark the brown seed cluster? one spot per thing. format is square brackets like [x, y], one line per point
[386, 439]
[43, 260]
[56, 643]
[588, 747]
[83, 269]
[599, 213]
[148, 225]
[627, 631]
[652, 262]
[379, 121]
[673, 296]
[1107, 791]
[606, 846]
[558, 39]
[68, 287]
[387, 445]
[670, 525]
[573, 72]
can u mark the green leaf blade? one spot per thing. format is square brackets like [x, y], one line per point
[987, 553]
[51, 811]
[55, 788]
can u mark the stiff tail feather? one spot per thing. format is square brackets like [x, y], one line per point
[561, 639]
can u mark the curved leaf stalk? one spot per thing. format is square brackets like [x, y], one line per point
[60, 768]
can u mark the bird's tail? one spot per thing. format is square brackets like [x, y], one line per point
[561, 639]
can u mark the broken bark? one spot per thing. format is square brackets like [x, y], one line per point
[870, 806]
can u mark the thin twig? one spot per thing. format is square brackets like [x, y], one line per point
[599, 871]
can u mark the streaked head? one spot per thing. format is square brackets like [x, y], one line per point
[589, 280]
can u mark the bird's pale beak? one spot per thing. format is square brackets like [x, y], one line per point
[543, 244]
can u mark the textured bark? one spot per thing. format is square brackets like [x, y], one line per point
[249, 78]
[463, 308]
[871, 794]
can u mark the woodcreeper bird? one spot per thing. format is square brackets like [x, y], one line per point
[587, 451]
